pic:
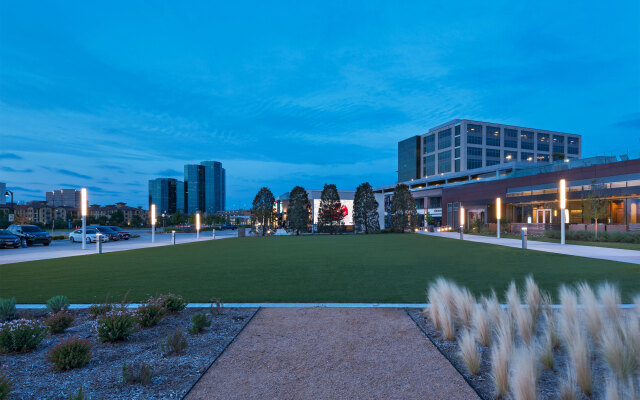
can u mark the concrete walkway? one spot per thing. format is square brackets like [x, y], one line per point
[331, 353]
[604, 253]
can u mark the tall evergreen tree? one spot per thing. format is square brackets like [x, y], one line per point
[263, 208]
[365, 209]
[298, 210]
[330, 216]
[404, 214]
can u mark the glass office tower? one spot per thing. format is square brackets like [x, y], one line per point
[162, 193]
[214, 186]
[194, 186]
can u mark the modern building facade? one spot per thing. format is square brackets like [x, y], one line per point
[63, 198]
[203, 190]
[461, 145]
[3, 190]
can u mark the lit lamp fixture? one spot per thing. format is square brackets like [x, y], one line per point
[563, 206]
[152, 211]
[83, 212]
[461, 223]
[197, 225]
[498, 215]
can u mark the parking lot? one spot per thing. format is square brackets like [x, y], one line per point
[64, 248]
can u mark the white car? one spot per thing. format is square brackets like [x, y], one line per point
[76, 236]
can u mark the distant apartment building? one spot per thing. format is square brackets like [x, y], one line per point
[128, 212]
[236, 217]
[63, 198]
[3, 190]
[460, 145]
[203, 190]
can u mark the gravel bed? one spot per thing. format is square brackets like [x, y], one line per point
[548, 384]
[34, 378]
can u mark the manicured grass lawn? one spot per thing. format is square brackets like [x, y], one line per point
[347, 268]
[613, 245]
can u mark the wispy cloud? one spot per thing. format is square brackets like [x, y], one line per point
[69, 173]
[9, 169]
[170, 173]
[23, 189]
[10, 156]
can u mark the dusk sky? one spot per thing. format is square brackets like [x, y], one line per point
[107, 96]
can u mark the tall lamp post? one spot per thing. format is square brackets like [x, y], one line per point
[164, 214]
[461, 223]
[498, 214]
[152, 211]
[197, 225]
[83, 212]
[10, 193]
[563, 206]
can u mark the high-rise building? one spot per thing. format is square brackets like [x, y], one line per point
[214, 186]
[203, 190]
[462, 145]
[162, 193]
[63, 198]
[3, 190]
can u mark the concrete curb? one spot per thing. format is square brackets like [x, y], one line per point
[290, 305]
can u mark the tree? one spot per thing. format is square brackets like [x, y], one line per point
[299, 210]
[330, 212]
[365, 209]
[263, 208]
[136, 220]
[178, 219]
[117, 218]
[594, 205]
[404, 214]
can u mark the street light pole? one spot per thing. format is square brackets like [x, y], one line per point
[563, 205]
[152, 211]
[461, 223]
[498, 215]
[10, 193]
[83, 210]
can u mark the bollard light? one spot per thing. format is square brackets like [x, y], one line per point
[498, 215]
[152, 211]
[198, 226]
[83, 211]
[524, 237]
[563, 206]
[173, 237]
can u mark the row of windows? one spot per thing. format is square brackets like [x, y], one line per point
[494, 137]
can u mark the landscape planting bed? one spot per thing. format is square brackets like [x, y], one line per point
[34, 378]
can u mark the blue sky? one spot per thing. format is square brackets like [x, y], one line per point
[109, 95]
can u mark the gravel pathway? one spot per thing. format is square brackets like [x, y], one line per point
[332, 353]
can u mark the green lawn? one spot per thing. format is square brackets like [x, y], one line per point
[346, 268]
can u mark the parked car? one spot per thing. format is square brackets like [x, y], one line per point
[228, 226]
[31, 233]
[108, 232]
[125, 235]
[8, 239]
[92, 235]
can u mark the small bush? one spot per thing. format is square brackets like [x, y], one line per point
[70, 353]
[173, 303]
[137, 372]
[176, 343]
[79, 395]
[199, 321]
[59, 322]
[98, 310]
[116, 325]
[57, 304]
[216, 307]
[6, 386]
[150, 313]
[7, 308]
[20, 335]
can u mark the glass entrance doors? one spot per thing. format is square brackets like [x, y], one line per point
[543, 216]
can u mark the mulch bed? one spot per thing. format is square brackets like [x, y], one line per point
[548, 384]
[34, 378]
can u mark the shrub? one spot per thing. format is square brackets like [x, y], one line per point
[137, 372]
[6, 386]
[592, 312]
[97, 310]
[116, 325]
[216, 307]
[70, 353]
[500, 368]
[59, 322]
[150, 313]
[7, 308]
[580, 357]
[173, 303]
[20, 335]
[545, 350]
[482, 325]
[469, 352]
[523, 374]
[199, 321]
[57, 304]
[79, 395]
[176, 343]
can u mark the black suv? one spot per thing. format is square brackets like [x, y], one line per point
[126, 235]
[31, 233]
[108, 232]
